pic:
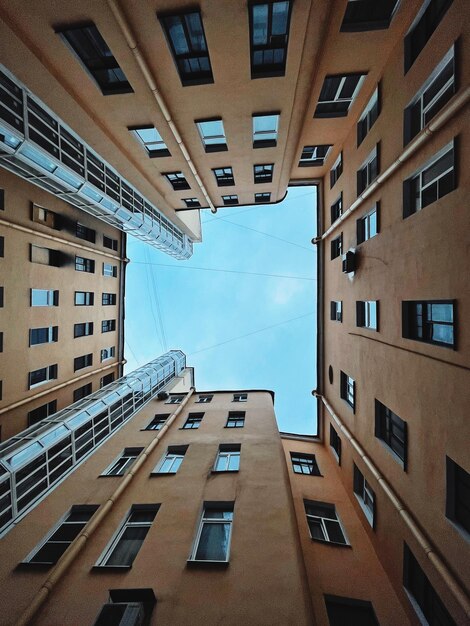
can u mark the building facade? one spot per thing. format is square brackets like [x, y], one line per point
[62, 307]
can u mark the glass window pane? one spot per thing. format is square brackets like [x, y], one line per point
[316, 529]
[218, 514]
[441, 312]
[280, 12]
[177, 35]
[260, 24]
[444, 333]
[196, 34]
[128, 546]
[265, 123]
[234, 462]
[213, 542]
[334, 531]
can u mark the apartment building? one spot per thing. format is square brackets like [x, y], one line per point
[62, 304]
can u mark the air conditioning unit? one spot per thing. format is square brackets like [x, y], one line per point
[121, 614]
[349, 262]
[163, 395]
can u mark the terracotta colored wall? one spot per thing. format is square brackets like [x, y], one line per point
[264, 582]
[19, 275]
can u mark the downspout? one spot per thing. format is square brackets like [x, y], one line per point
[61, 386]
[440, 120]
[152, 85]
[122, 302]
[77, 545]
[430, 551]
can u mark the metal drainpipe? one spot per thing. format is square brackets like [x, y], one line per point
[150, 80]
[449, 111]
[451, 582]
[77, 545]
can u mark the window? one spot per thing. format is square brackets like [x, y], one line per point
[228, 458]
[43, 216]
[369, 170]
[107, 353]
[236, 419]
[106, 380]
[265, 130]
[337, 94]
[123, 462]
[337, 247]
[433, 95]
[314, 155]
[392, 430]
[109, 242]
[240, 397]
[1, 342]
[336, 310]
[335, 443]
[336, 170]
[263, 173]
[434, 180]
[45, 256]
[96, 57]
[36, 415]
[84, 265]
[84, 298]
[425, 600]
[362, 15]
[1, 297]
[2, 246]
[2, 199]
[108, 299]
[172, 460]
[349, 611]
[109, 270]
[425, 24]
[193, 421]
[108, 326]
[53, 546]
[191, 203]
[364, 495]
[304, 464]
[337, 208]
[348, 389]
[83, 330]
[367, 314]
[127, 606]
[177, 180]
[158, 422]
[175, 399]
[82, 392]
[128, 540]
[457, 495]
[83, 232]
[431, 321]
[230, 200]
[212, 134]
[368, 117]
[367, 226]
[224, 176]
[187, 41]
[42, 376]
[261, 198]
[214, 532]
[205, 399]
[323, 522]
[44, 297]
[151, 140]
[49, 334]
[269, 36]
[81, 362]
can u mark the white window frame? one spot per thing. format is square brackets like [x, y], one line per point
[175, 456]
[260, 135]
[324, 527]
[340, 87]
[159, 420]
[159, 144]
[109, 270]
[369, 106]
[49, 297]
[46, 380]
[227, 452]
[334, 168]
[175, 399]
[313, 156]
[50, 335]
[420, 172]
[108, 551]
[366, 498]
[107, 353]
[209, 141]
[338, 310]
[130, 454]
[240, 397]
[366, 219]
[204, 398]
[366, 165]
[213, 520]
[367, 315]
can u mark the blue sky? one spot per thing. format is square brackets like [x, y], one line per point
[170, 306]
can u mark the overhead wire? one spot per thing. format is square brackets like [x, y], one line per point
[254, 332]
[159, 311]
[213, 269]
[149, 293]
[261, 232]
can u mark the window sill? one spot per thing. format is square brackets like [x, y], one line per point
[110, 568]
[225, 471]
[155, 474]
[331, 543]
[310, 475]
[24, 565]
[192, 563]
[368, 515]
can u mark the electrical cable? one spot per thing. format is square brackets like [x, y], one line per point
[149, 294]
[212, 269]
[260, 232]
[254, 332]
